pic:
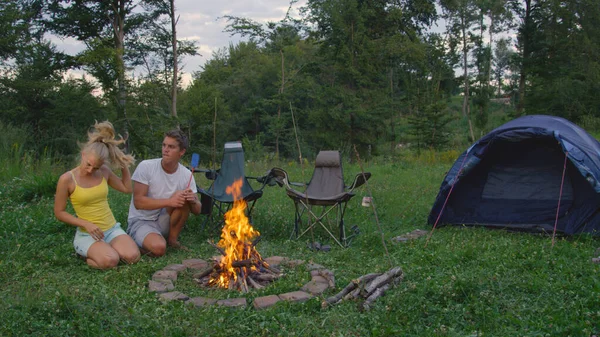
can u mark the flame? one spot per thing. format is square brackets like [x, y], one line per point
[236, 235]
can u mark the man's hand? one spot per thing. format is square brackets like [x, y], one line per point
[178, 199]
[191, 197]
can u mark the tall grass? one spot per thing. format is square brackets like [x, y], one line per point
[25, 175]
[466, 282]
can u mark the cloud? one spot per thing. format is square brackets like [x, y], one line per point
[202, 21]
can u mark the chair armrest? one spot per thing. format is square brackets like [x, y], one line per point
[359, 180]
[209, 174]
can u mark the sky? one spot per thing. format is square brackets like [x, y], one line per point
[202, 21]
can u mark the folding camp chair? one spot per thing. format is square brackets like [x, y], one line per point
[215, 200]
[325, 193]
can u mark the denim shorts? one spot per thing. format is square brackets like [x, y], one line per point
[138, 229]
[83, 240]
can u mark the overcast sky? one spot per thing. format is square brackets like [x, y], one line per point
[202, 22]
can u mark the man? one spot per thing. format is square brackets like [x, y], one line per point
[162, 200]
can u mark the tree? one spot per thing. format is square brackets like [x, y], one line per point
[275, 37]
[502, 61]
[158, 49]
[102, 26]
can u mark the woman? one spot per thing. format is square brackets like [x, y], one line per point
[99, 237]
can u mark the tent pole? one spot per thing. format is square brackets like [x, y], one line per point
[446, 201]
[562, 181]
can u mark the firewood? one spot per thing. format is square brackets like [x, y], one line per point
[270, 268]
[366, 278]
[266, 277]
[254, 284]
[243, 263]
[381, 280]
[204, 273]
[216, 247]
[338, 297]
[255, 242]
[359, 282]
[354, 293]
[375, 295]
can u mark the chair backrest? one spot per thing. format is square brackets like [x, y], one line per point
[328, 178]
[232, 169]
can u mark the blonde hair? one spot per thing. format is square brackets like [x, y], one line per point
[102, 143]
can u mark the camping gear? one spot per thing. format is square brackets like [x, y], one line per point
[535, 173]
[215, 199]
[325, 191]
[194, 165]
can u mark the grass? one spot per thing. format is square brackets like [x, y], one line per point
[466, 282]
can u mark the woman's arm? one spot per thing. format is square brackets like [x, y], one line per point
[122, 184]
[60, 208]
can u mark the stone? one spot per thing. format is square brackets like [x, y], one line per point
[314, 266]
[321, 272]
[295, 296]
[319, 279]
[265, 301]
[596, 260]
[233, 302]
[201, 301]
[160, 286]
[165, 275]
[173, 296]
[315, 288]
[197, 264]
[417, 233]
[294, 263]
[276, 260]
[175, 267]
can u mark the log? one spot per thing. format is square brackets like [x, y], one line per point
[255, 242]
[269, 268]
[354, 293]
[243, 263]
[266, 277]
[338, 297]
[254, 284]
[381, 280]
[216, 247]
[204, 273]
[366, 278]
[353, 285]
[375, 295]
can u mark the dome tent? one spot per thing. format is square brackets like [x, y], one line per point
[513, 178]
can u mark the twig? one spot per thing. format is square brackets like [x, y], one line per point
[308, 221]
[387, 254]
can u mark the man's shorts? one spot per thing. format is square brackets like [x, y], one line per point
[138, 229]
[83, 240]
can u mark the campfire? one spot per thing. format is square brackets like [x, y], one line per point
[241, 267]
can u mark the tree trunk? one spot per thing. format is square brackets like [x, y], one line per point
[525, 55]
[119, 36]
[279, 107]
[175, 63]
[465, 69]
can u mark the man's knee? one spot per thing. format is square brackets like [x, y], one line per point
[155, 244]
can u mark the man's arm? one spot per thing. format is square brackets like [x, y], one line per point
[141, 200]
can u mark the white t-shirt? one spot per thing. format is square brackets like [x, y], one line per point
[161, 185]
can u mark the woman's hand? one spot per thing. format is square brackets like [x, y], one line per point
[94, 231]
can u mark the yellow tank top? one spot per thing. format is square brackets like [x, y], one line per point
[91, 204]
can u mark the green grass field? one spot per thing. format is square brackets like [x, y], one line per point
[465, 282]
